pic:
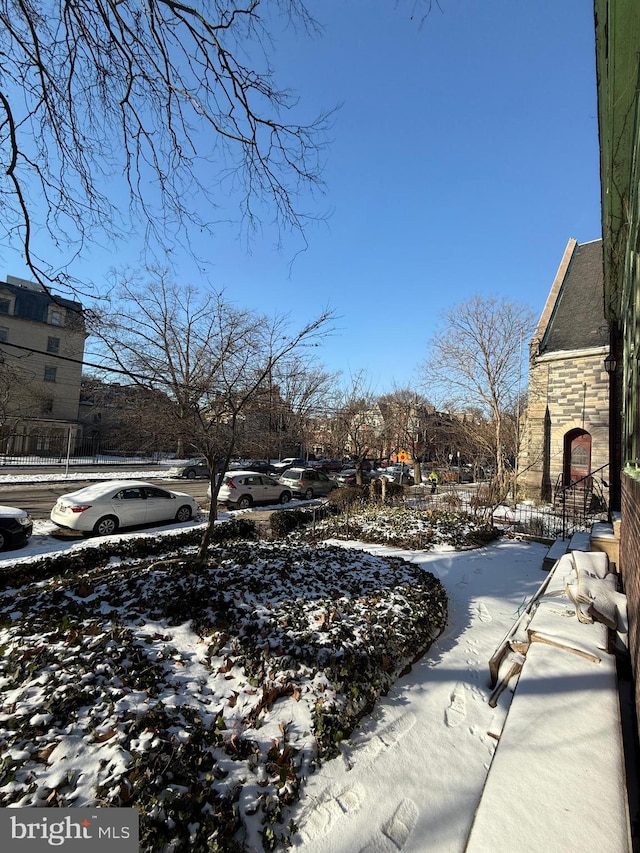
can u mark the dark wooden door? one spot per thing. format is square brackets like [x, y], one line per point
[579, 456]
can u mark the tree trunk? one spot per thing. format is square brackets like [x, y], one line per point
[499, 459]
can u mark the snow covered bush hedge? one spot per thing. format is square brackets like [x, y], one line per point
[408, 527]
[100, 553]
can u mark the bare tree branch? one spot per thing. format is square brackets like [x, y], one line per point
[176, 102]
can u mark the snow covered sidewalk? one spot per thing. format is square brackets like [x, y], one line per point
[557, 780]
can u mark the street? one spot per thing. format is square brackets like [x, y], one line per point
[38, 499]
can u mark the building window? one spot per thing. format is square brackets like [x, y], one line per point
[43, 441]
[5, 305]
[50, 374]
[53, 345]
[47, 406]
[4, 334]
[56, 315]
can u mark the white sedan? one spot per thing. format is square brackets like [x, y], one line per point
[105, 507]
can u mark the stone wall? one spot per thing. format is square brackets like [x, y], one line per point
[567, 391]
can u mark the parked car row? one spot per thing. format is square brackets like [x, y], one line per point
[197, 468]
[106, 507]
[243, 489]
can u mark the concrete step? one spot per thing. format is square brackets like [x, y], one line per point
[557, 550]
[604, 538]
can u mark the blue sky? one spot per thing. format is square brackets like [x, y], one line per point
[463, 157]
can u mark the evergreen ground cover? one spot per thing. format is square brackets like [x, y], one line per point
[204, 699]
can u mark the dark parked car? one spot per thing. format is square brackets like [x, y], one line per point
[307, 482]
[347, 477]
[328, 465]
[261, 466]
[16, 527]
[365, 465]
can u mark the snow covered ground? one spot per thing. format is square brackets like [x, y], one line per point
[410, 778]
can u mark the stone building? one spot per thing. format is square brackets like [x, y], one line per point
[566, 434]
[41, 353]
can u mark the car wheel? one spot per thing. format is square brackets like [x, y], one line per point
[285, 497]
[184, 513]
[106, 526]
[191, 474]
[308, 494]
[244, 502]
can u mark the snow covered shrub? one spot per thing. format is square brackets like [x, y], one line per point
[160, 684]
[235, 528]
[452, 500]
[286, 520]
[408, 527]
[127, 547]
[69, 563]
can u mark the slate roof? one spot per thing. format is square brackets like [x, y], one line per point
[577, 321]
[32, 303]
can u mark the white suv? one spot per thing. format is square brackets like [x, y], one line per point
[242, 489]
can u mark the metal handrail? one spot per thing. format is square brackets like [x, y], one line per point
[565, 491]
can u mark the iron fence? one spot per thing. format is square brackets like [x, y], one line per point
[574, 508]
[58, 447]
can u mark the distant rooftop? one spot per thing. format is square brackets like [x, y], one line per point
[24, 282]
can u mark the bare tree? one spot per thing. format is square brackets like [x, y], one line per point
[277, 420]
[476, 356]
[163, 100]
[303, 387]
[358, 422]
[406, 414]
[209, 357]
